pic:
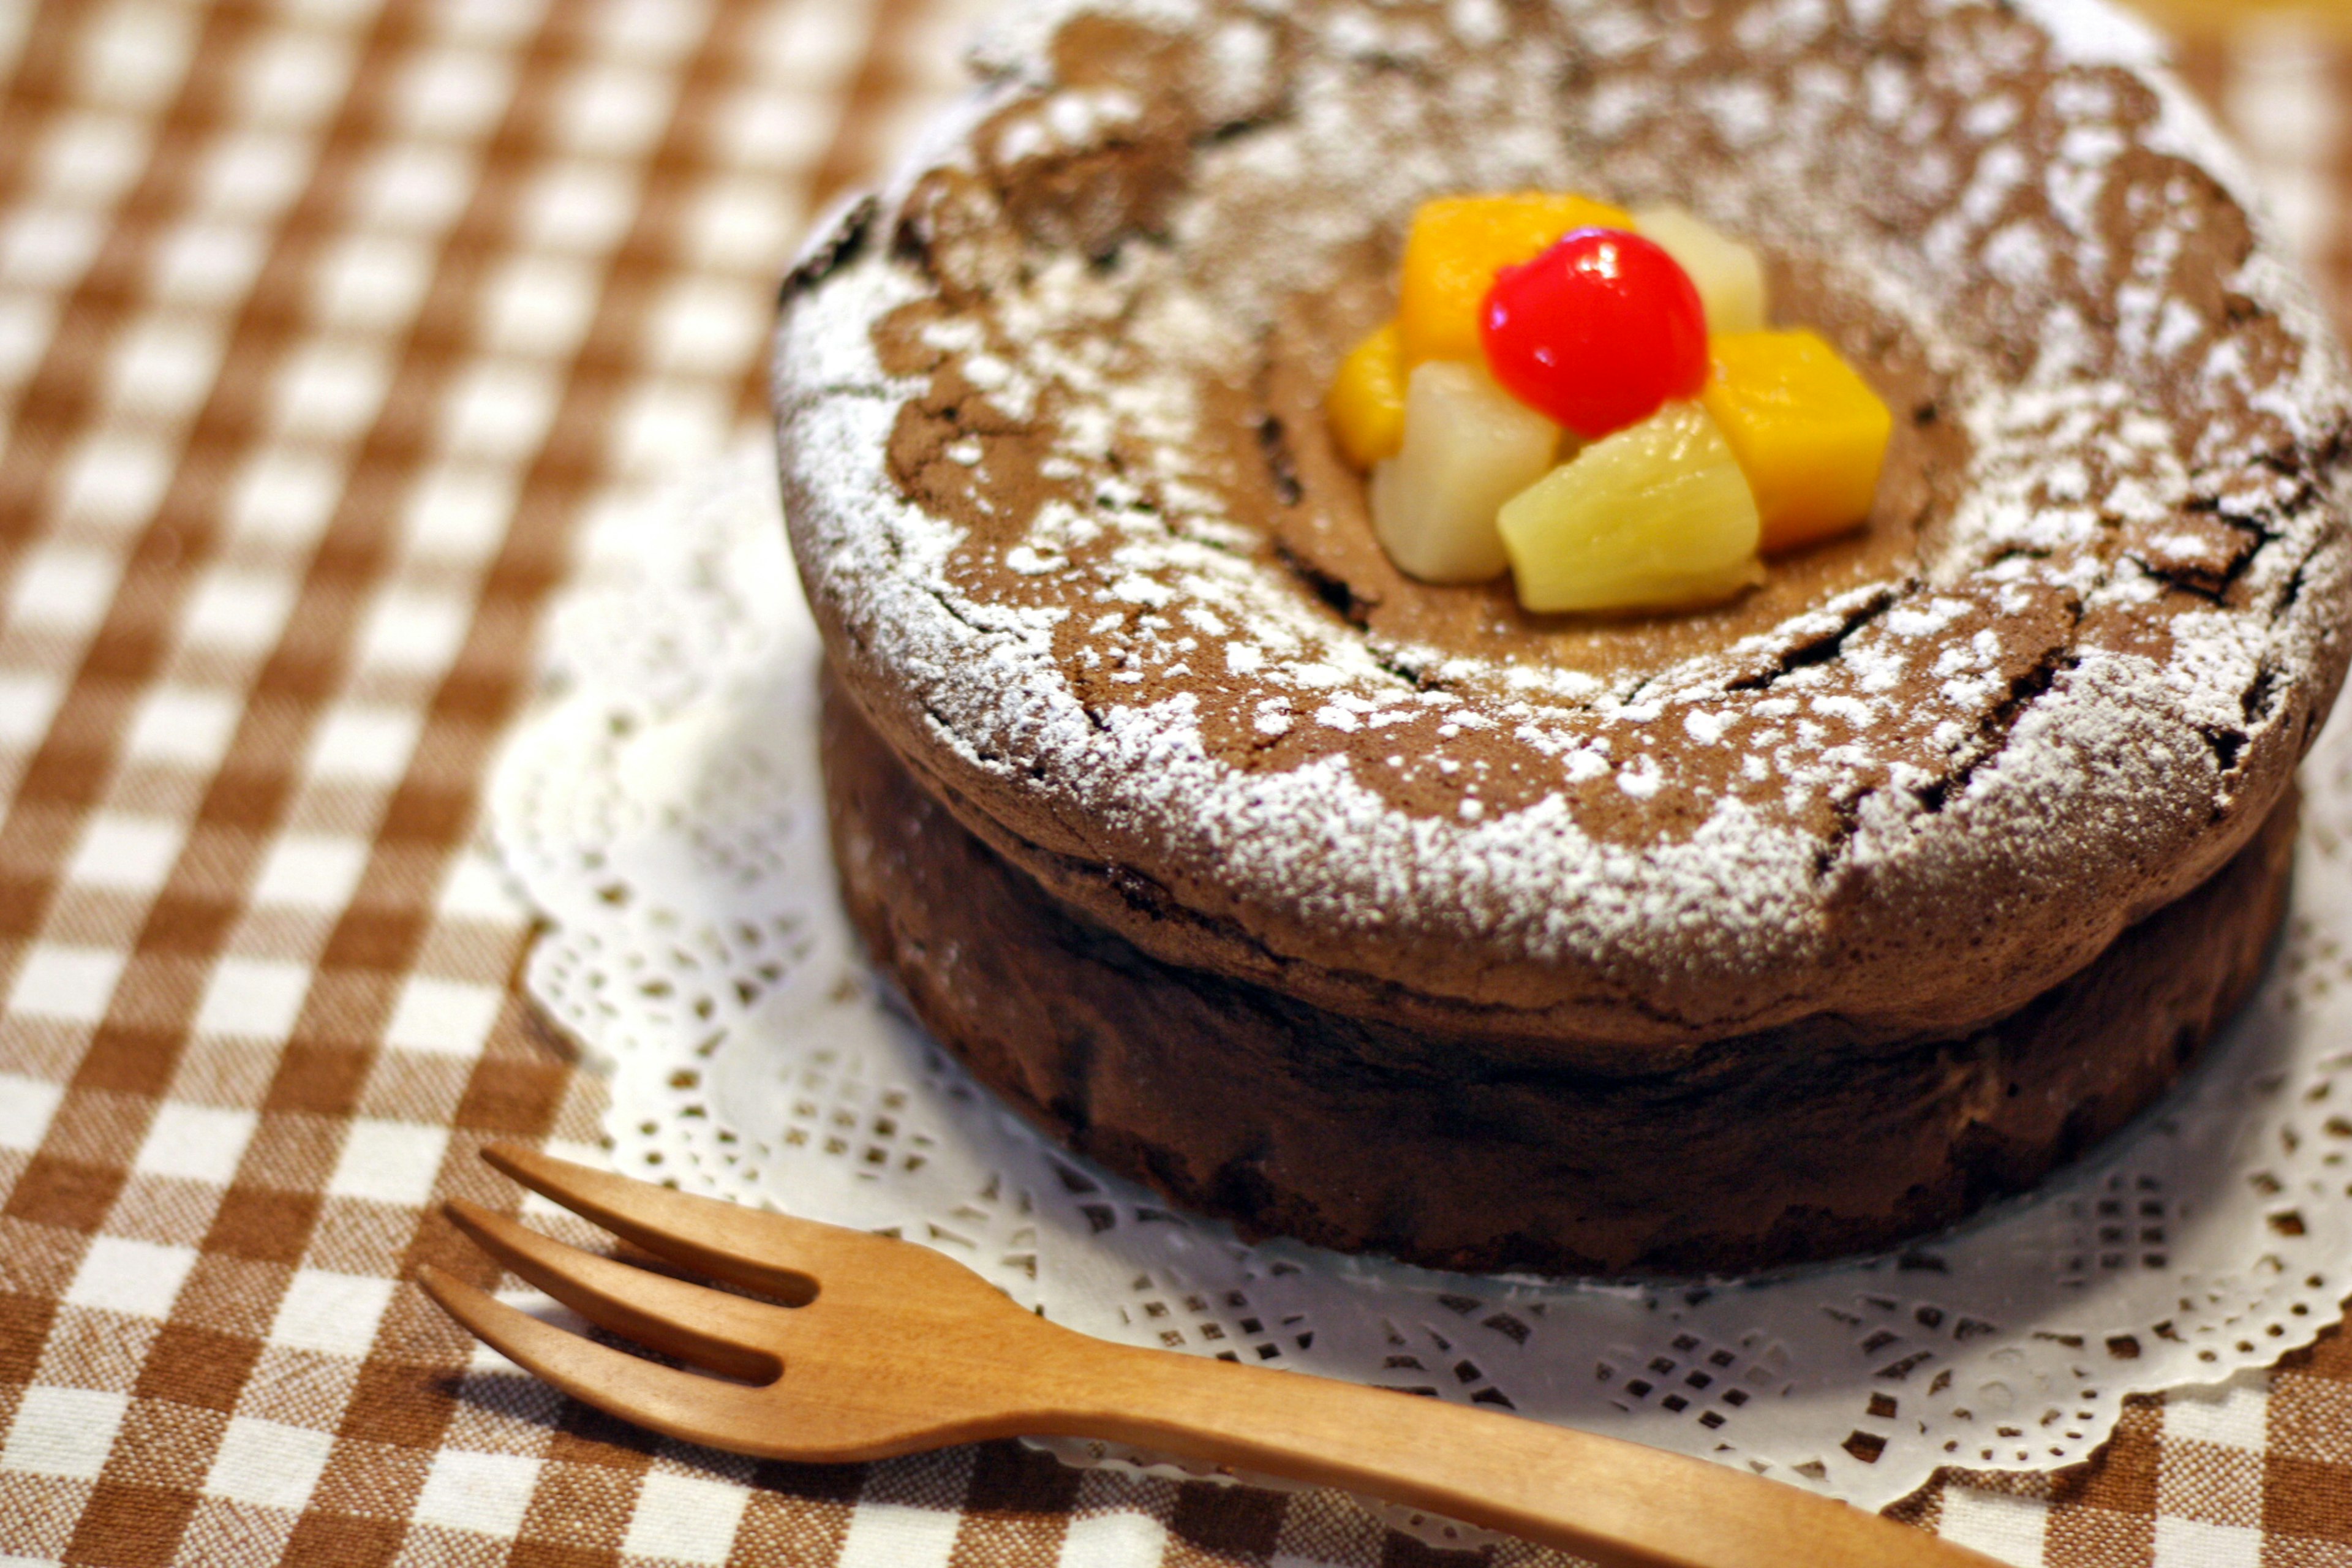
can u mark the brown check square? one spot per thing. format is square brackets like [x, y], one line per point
[325, 326]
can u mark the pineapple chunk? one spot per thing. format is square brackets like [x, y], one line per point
[1655, 516]
[1457, 245]
[1468, 446]
[1809, 432]
[1730, 276]
[1366, 403]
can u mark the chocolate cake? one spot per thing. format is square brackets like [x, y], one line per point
[1392, 916]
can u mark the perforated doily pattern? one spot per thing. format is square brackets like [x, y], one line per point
[662, 812]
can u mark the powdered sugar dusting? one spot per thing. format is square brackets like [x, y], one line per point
[1129, 659]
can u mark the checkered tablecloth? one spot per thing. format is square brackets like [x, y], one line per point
[327, 330]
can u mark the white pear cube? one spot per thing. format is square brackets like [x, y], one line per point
[1468, 446]
[1729, 275]
[1655, 516]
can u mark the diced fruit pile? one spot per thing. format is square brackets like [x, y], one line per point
[1591, 399]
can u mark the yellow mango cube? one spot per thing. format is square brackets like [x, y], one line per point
[1809, 432]
[1457, 245]
[1366, 403]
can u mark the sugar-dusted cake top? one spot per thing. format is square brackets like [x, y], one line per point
[1060, 490]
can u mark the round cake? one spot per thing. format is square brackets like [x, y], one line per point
[1394, 917]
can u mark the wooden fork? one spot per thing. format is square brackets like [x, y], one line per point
[886, 1348]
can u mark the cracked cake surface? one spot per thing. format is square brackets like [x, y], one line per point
[1061, 498]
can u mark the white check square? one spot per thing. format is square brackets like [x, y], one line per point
[253, 998]
[499, 410]
[293, 78]
[26, 1106]
[28, 701]
[460, 512]
[2235, 1415]
[538, 306]
[197, 1142]
[2193, 1544]
[285, 496]
[253, 175]
[1101, 1538]
[129, 854]
[446, 1017]
[809, 47]
[329, 391]
[331, 13]
[135, 54]
[142, 1278]
[737, 223]
[686, 1519]
[702, 326]
[164, 367]
[666, 423]
[182, 726]
[577, 206]
[477, 890]
[414, 633]
[48, 248]
[126, 854]
[63, 588]
[372, 283]
[91, 158]
[456, 93]
[238, 612]
[415, 188]
[115, 480]
[2010, 1528]
[484, 1492]
[390, 1162]
[772, 126]
[490, 23]
[335, 1314]
[63, 1432]
[364, 744]
[268, 1463]
[310, 871]
[897, 1535]
[25, 322]
[614, 111]
[71, 984]
[206, 265]
[648, 34]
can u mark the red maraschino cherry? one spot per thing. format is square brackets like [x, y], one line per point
[1597, 331]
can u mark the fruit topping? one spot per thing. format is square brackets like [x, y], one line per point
[1468, 446]
[1808, 431]
[1597, 331]
[1366, 403]
[1657, 517]
[1592, 402]
[1730, 276]
[1457, 245]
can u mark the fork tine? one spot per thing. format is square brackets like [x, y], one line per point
[745, 1247]
[692, 1322]
[679, 1404]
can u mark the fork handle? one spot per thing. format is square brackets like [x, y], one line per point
[1621, 1504]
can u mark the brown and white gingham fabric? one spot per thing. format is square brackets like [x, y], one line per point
[326, 328]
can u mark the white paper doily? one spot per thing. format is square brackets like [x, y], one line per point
[662, 813]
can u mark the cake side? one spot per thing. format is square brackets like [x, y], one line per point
[1077, 550]
[1241, 1101]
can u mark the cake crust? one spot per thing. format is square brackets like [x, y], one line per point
[1753, 1152]
[1083, 555]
